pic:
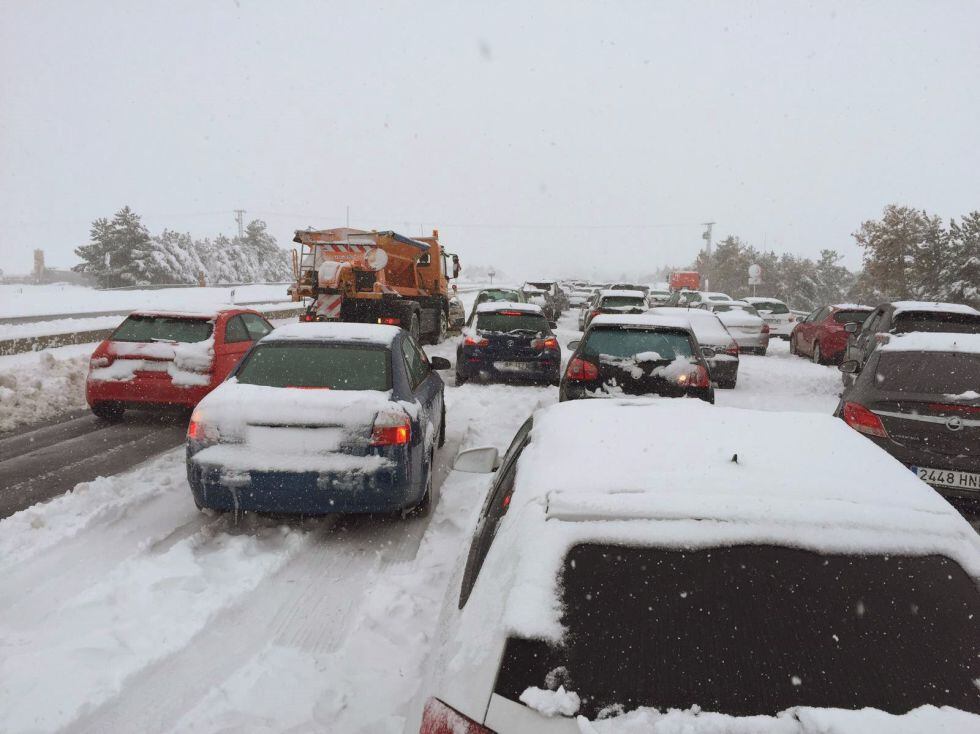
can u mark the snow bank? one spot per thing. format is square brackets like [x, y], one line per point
[35, 386]
[57, 298]
[801, 720]
[551, 703]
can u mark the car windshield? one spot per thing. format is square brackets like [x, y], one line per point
[509, 322]
[937, 321]
[331, 366]
[723, 307]
[626, 342]
[622, 302]
[774, 307]
[499, 294]
[138, 328]
[541, 285]
[756, 629]
[845, 317]
[937, 373]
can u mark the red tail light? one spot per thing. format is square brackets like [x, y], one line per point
[391, 428]
[510, 313]
[700, 377]
[390, 321]
[732, 349]
[308, 317]
[475, 341]
[765, 328]
[438, 718]
[580, 370]
[863, 420]
[954, 408]
[594, 314]
[549, 343]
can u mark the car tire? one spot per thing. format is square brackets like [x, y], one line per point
[424, 506]
[817, 357]
[461, 378]
[442, 425]
[761, 351]
[112, 412]
[792, 347]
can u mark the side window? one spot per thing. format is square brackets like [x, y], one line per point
[495, 507]
[235, 331]
[256, 326]
[416, 361]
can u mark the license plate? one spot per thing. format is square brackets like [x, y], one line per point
[513, 366]
[948, 477]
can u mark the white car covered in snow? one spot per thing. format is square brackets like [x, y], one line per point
[776, 314]
[743, 322]
[617, 573]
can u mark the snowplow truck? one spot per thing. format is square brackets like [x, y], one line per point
[375, 278]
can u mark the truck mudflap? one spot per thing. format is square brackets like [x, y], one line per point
[327, 305]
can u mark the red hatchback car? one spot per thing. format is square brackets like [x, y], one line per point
[161, 358]
[821, 336]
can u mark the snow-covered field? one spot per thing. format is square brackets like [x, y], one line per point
[123, 608]
[61, 298]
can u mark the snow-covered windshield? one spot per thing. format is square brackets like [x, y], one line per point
[928, 372]
[336, 367]
[622, 302]
[139, 328]
[624, 343]
[512, 321]
[755, 629]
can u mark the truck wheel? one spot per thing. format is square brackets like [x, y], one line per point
[441, 330]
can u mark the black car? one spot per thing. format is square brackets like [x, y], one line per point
[637, 355]
[556, 300]
[917, 397]
[901, 317]
[508, 341]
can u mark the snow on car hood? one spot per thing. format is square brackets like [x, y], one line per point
[232, 407]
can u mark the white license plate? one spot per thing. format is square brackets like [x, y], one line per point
[948, 477]
[512, 366]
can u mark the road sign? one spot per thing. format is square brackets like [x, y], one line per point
[755, 274]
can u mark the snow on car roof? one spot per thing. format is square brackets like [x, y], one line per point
[762, 299]
[852, 307]
[492, 306]
[600, 471]
[922, 341]
[901, 306]
[717, 295]
[651, 319]
[706, 324]
[630, 294]
[210, 315]
[335, 331]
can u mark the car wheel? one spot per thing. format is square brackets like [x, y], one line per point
[792, 347]
[817, 358]
[112, 412]
[442, 425]
[461, 378]
[425, 504]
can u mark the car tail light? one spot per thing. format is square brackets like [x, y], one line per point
[549, 343]
[308, 317]
[198, 430]
[944, 407]
[580, 370]
[390, 321]
[863, 420]
[700, 377]
[595, 313]
[510, 313]
[391, 428]
[732, 349]
[478, 341]
[765, 328]
[438, 718]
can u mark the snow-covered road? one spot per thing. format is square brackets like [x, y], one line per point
[125, 609]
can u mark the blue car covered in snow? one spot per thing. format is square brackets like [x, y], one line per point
[321, 418]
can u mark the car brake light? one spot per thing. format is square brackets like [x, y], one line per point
[308, 317]
[475, 341]
[732, 349]
[549, 343]
[595, 313]
[198, 430]
[579, 369]
[700, 377]
[765, 328]
[863, 420]
[391, 428]
[438, 718]
[390, 321]
[510, 313]
[954, 408]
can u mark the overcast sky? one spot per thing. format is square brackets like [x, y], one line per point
[541, 137]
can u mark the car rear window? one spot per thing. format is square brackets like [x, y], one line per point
[721, 308]
[337, 367]
[755, 629]
[845, 317]
[500, 295]
[627, 342]
[771, 306]
[960, 323]
[944, 373]
[511, 321]
[622, 301]
[163, 328]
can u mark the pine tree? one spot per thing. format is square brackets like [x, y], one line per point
[961, 271]
[118, 251]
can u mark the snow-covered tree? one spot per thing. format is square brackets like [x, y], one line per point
[116, 250]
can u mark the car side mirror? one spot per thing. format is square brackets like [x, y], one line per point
[440, 363]
[708, 352]
[573, 345]
[850, 367]
[482, 460]
[852, 327]
[552, 324]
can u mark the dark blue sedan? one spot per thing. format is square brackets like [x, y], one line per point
[321, 418]
[508, 341]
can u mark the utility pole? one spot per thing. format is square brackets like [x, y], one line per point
[707, 239]
[240, 218]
